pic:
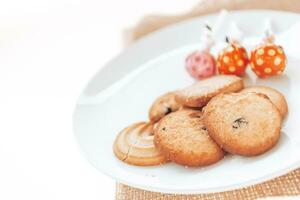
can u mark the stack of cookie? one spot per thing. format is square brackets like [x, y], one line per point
[197, 125]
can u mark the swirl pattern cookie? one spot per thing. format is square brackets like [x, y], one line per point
[183, 138]
[134, 145]
[162, 106]
[198, 94]
[246, 124]
[275, 96]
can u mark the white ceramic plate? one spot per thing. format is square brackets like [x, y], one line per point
[121, 93]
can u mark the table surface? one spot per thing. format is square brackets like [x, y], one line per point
[49, 49]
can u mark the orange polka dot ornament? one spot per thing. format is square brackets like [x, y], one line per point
[233, 59]
[268, 59]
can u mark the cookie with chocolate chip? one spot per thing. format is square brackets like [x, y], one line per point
[199, 94]
[183, 138]
[162, 106]
[274, 95]
[246, 124]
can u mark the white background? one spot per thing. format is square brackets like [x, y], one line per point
[49, 49]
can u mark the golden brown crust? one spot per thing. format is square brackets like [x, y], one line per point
[274, 95]
[162, 106]
[182, 137]
[246, 124]
[134, 145]
[199, 94]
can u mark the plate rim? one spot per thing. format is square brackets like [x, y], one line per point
[140, 41]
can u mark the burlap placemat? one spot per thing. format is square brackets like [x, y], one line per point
[286, 185]
[283, 186]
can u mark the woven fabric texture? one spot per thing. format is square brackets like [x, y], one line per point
[286, 185]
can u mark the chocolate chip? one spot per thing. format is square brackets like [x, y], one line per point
[204, 128]
[168, 111]
[239, 122]
[164, 128]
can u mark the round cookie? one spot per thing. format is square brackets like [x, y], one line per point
[134, 145]
[199, 94]
[275, 96]
[162, 106]
[182, 137]
[246, 124]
